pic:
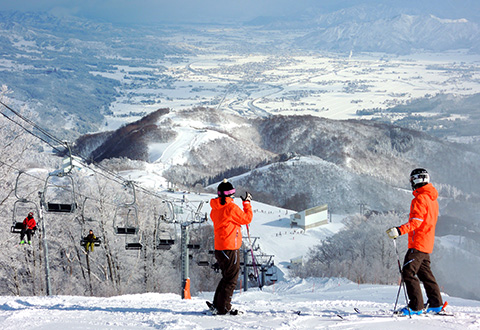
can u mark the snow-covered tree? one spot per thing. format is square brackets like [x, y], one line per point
[361, 252]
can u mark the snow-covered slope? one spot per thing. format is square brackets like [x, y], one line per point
[323, 303]
[401, 34]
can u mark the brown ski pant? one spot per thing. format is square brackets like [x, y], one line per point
[416, 268]
[229, 263]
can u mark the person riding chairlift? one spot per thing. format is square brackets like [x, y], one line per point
[90, 239]
[29, 226]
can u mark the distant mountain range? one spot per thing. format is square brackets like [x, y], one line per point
[60, 65]
[378, 28]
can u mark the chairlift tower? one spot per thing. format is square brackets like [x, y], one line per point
[187, 219]
[48, 288]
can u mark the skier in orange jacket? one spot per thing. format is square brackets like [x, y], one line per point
[421, 237]
[227, 218]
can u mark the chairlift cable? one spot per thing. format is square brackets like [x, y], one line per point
[28, 131]
[33, 124]
[115, 177]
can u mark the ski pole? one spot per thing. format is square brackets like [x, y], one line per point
[402, 282]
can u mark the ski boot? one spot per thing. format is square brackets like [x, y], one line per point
[406, 311]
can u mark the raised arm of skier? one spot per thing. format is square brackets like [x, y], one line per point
[227, 219]
[421, 237]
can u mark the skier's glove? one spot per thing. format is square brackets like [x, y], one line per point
[216, 267]
[247, 198]
[393, 232]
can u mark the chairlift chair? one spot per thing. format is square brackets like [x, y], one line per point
[164, 238]
[62, 187]
[88, 223]
[165, 244]
[97, 241]
[133, 246]
[133, 243]
[125, 221]
[21, 208]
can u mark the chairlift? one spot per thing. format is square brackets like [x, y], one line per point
[59, 193]
[88, 223]
[198, 217]
[125, 221]
[204, 260]
[165, 244]
[21, 208]
[133, 245]
[164, 238]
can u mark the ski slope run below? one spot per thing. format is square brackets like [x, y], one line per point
[323, 303]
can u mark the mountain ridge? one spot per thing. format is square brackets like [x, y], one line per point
[353, 155]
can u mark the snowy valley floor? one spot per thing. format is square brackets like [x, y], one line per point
[323, 304]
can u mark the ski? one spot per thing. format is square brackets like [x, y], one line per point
[213, 311]
[397, 313]
[331, 314]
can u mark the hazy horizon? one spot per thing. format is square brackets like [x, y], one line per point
[214, 11]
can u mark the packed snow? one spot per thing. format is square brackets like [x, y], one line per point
[295, 304]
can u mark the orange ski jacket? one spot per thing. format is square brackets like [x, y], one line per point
[227, 220]
[423, 219]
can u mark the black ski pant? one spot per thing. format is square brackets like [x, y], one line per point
[416, 268]
[28, 232]
[229, 264]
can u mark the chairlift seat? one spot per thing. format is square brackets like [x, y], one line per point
[126, 230]
[193, 246]
[96, 242]
[17, 228]
[63, 208]
[133, 246]
[166, 242]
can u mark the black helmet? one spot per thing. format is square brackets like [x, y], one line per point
[225, 188]
[419, 177]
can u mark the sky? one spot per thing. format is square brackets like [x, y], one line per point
[162, 10]
[168, 11]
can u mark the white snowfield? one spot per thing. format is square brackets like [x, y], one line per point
[323, 304]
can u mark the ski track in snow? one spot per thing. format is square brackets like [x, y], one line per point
[323, 304]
